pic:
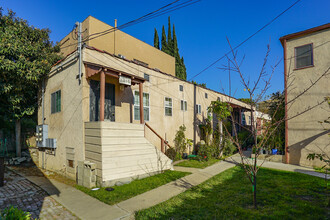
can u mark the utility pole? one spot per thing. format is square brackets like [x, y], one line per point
[79, 49]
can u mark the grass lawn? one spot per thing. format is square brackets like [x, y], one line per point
[280, 195]
[134, 188]
[322, 170]
[197, 164]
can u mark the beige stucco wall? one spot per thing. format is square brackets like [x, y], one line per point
[159, 87]
[120, 43]
[67, 125]
[305, 133]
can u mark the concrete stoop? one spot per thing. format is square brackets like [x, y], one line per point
[123, 153]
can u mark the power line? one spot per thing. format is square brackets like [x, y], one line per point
[161, 11]
[243, 42]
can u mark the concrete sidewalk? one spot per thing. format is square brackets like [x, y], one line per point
[86, 207]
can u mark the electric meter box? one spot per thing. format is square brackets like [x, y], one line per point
[41, 135]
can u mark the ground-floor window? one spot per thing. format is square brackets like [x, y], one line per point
[198, 109]
[168, 106]
[183, 105]
[146, 106]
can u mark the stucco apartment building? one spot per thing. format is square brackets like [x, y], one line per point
[307, 58]
[126, 105]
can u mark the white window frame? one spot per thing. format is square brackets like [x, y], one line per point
[138, 106]
[168, 106]
[198, 109]
[184, 105]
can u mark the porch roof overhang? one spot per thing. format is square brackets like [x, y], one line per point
[93, 69]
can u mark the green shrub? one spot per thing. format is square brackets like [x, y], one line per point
[206, 152]
[229, 147]
[170, 153]
[13, 213]
[246, 139]
[180, 140]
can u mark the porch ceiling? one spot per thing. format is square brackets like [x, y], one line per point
[93, 69]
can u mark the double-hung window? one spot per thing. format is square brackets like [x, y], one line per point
[146, 106]
[168, 106]
[56, 102]
[198, 109]
[183, 105]
[304, 56]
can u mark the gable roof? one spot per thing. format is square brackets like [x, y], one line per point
[305, 32]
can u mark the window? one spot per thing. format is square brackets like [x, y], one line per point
[183, 105]
[198, 109]
[147, 77]
[70, 163]
[243, 119]
[146, 106]
[56, 102]
[181, 88]
[168, 106]
[304, 56]
[249, 120]
[206, 95]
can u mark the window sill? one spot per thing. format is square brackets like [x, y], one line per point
[305, 67]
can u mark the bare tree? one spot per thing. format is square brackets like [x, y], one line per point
[257, 91]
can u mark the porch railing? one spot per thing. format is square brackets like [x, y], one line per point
[163, 142]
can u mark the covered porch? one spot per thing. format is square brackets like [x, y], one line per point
[110, 94]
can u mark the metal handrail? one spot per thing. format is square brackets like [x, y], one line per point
[163, 141]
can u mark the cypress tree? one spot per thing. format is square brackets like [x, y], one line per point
[175, 43]
[164, 43]
[169, 45]
[169, 38]
[156, 39]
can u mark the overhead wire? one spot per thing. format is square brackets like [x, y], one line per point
[161, 11]
[247, 39]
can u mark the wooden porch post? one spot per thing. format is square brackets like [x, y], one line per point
[141, 102]
[102, 94]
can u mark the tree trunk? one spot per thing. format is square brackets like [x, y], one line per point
[18, 137]
[255, 191]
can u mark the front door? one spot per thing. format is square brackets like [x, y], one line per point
[109, 102]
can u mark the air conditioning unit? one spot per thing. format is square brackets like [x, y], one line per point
[51, 143]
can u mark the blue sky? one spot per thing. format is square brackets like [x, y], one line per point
[201, 29]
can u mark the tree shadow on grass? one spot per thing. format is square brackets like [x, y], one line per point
[281, 195]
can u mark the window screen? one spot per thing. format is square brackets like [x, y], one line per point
[304, 56]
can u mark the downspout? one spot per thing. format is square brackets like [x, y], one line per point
[195, 119]
[287, 158]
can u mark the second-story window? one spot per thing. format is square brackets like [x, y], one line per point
[304, 56]
[206, 95]
[181, 88]
[56, 102]
[168, 106]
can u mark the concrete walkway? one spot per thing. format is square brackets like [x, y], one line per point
[86, 207]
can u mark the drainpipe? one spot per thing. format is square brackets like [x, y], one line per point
[79, 48]
[287, 158]
[195, 119]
